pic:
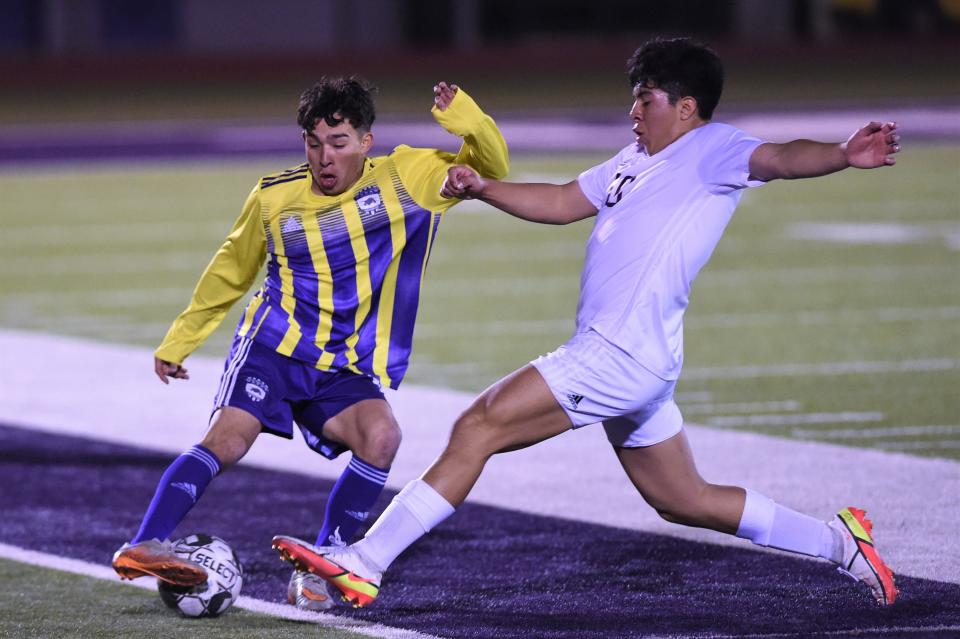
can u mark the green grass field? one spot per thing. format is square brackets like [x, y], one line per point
[30, 611]
[790, 332]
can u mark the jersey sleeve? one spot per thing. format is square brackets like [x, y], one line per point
[227, 277]
[423, 171]
[484, 148]
[595, 180]
[726, 167]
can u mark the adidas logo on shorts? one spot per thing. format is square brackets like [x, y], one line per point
[573, 400]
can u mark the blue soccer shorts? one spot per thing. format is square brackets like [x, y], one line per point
[280, 391]
[595, 381]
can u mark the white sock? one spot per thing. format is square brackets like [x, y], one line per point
[767, 523]
[757, 518]
[414, 512]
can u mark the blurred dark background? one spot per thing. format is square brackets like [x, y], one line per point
[120, 59]
[56, 28]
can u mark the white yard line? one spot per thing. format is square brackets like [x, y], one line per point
[869, 433]
[690, 397]
[882, 233]
[812, 274]
[830, 317]
[117, 398]
[96, 235]
[281, 611]
[96, 262]
[98, 296]
[943, 444]
[825, 369]
[739, 421]
[739, 407]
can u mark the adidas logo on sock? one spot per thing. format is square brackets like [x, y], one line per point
[356, 514]
[190, 489]
[334, 538]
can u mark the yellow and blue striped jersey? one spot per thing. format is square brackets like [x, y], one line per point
[343, 272]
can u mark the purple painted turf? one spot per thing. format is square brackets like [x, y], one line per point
[550, 131]
[486, 572]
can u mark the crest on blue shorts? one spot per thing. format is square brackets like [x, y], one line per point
[256, 389]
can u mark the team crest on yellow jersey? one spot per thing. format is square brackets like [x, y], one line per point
[368, 200]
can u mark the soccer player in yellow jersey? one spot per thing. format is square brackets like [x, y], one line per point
[346, 239]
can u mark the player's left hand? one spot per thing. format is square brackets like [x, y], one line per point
[873, 145]
[443, 94]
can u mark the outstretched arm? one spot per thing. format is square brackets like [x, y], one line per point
[543, 203]
[483, 145]
[869, 147]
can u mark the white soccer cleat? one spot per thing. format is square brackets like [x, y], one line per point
[308, 591]
[861, 561]
[341, 567]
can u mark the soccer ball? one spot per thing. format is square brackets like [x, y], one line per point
[224, 577]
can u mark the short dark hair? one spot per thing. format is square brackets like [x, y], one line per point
[335, 100]
[680, 67]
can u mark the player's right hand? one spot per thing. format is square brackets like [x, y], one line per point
[165, 369]
[462, 182]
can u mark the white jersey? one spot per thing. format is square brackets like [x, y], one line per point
[659, 219]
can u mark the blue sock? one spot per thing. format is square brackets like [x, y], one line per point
[179, 489]
[350, 501]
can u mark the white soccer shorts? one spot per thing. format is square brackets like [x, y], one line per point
[596, 381]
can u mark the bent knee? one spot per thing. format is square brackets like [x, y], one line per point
[674, 516]
[478, 429]
[379, 443]
[231, 434]
[228, 447]
[690, 509]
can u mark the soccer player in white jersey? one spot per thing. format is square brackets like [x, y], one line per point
[661, 206]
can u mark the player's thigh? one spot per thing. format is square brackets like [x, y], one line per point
[254, 388]
[347, 411]
[515, 412]
[593, 380]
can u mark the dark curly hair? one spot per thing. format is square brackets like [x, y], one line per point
[680, 67]
[335, 100]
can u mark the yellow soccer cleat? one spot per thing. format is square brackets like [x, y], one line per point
[341, 567]
[861, 561]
